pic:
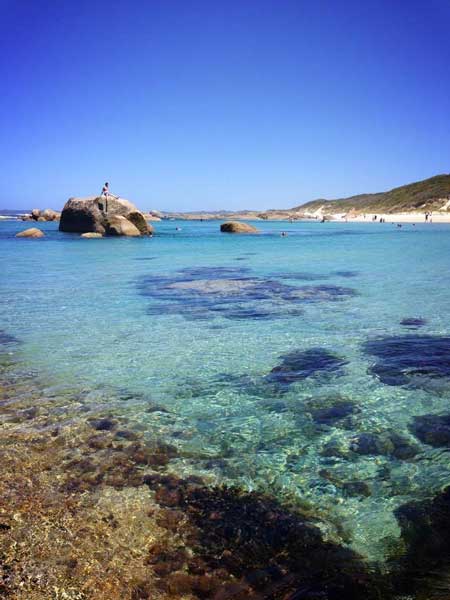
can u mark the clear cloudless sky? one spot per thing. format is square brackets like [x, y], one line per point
[208, 104]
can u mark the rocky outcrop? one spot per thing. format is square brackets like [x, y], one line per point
[42, 215]
[33, 232]
[49, 215]
[83, 215]
[237, 227]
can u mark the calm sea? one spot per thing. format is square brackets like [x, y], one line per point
[278, 364]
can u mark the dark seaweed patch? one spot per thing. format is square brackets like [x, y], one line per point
[388, 443]
[432, 429]
[202, 293]
[330, 415]
[413, 323]
[300, 364]
[423, 569]
[263, 549]
[300, 276]
[346, 274]
[410, 359]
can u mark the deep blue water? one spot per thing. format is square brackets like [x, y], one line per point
[301, 365]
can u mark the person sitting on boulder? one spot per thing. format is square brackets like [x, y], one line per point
[105, 193]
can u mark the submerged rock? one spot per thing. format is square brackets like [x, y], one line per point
[387, 443]
[300, 364]
[432, 429]
[83, 215]
[329, 411]
[410, 359]
[237, 227]
[413, 323]
[33, 232]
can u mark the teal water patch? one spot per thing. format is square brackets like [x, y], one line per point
[184, 340]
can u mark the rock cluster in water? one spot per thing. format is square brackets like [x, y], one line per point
[232, 293]
[119, 217]
[42, 215]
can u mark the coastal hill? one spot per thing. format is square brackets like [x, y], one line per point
[427, 195]
[431, 194]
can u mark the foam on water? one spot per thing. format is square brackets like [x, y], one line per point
[274, 373]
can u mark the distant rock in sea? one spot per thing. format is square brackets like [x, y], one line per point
[237, 227]
[33, 232]
[42, 215]
[84, 215]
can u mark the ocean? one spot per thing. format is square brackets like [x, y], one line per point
[313, 369]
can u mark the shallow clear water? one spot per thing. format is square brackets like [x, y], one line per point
[180, 333]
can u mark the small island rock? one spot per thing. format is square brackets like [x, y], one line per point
[237, 227]
[84, 215]
[33, 232]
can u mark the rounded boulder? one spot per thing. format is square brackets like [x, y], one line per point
[237, 227]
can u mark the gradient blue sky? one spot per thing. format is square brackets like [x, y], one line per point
[208, 105]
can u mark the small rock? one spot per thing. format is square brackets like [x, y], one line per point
[237, 227]
[91, 235]
[33, 232]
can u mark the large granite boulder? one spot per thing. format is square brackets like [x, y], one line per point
[33, 232]
[119, 225]
[237, 227]
[82, 215]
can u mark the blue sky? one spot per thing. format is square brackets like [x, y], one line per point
[186, 105]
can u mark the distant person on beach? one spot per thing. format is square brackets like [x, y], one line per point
[105, 194]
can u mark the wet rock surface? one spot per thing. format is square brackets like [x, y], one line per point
[410, 359]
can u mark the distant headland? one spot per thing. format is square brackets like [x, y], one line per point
[411, 202]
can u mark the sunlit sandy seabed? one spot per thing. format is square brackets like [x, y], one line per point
[313, 369]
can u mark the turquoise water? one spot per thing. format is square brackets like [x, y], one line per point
[181, 333]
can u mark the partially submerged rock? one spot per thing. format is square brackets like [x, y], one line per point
[120, 217]
[33, 232]
[91, 235]
[237, 227]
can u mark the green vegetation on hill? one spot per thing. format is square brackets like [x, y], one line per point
[429, 194]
